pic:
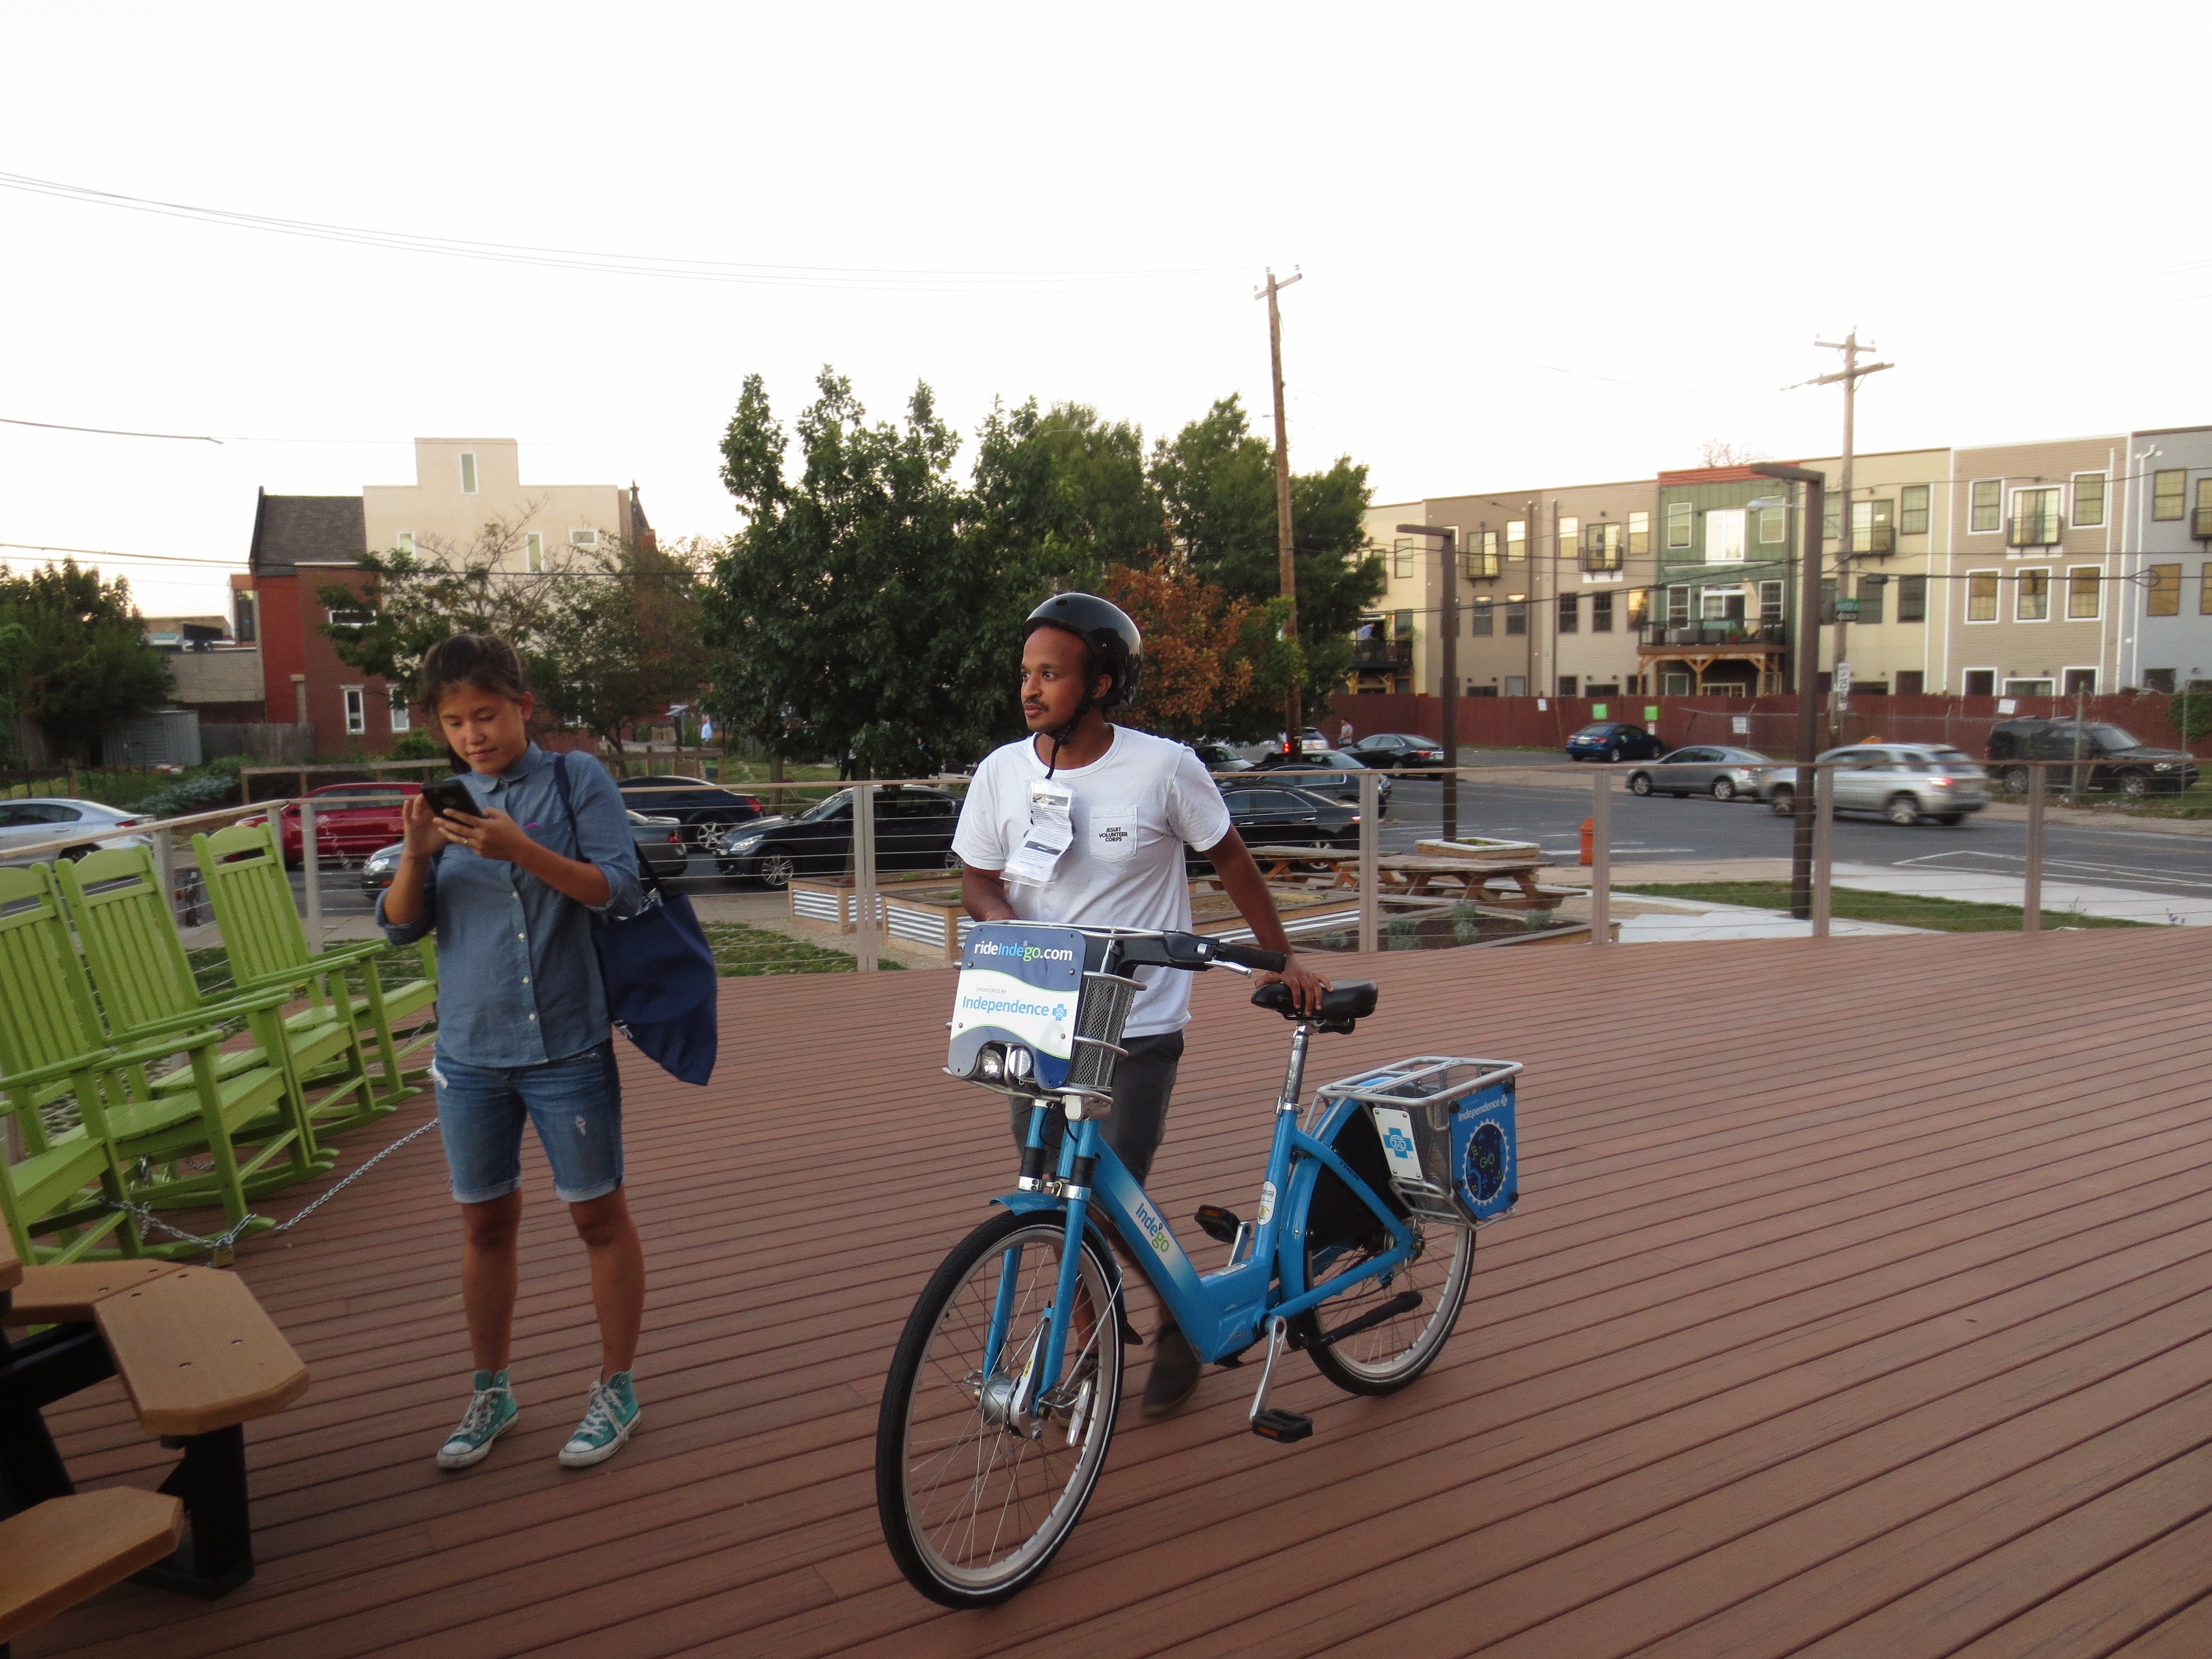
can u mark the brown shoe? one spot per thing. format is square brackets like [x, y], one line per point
[1175, 1370]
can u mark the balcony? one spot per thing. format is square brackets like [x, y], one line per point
[1481, 566]
[1875, 541]
[2200, 523]
[1592, 559]
[2035, 530]
[1669, 639]
[1381, 654]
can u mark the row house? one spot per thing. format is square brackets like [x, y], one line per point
[468, 504]
[2012, 569]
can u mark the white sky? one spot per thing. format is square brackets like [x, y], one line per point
[1542, 245]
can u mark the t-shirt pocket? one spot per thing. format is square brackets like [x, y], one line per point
[1114, 834]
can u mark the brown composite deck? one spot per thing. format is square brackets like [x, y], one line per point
[1858, 1304]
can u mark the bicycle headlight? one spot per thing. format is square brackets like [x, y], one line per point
[991, 1063]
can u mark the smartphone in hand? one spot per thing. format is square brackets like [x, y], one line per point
[451, 795]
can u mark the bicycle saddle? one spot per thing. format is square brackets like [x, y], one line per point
[1353, 1000]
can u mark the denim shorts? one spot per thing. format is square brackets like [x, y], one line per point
[575, 1102]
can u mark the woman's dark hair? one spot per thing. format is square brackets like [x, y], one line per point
[481, 660]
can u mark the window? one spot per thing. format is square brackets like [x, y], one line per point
[1570, 613]
[2083, 584]
[1870, 593]
[1874, 526]
[350, 618]
[467, 473]
[1516, 621]
[357, 710]
[1981, 596]
[1639, 534]
[1676, 684]
[1568, 682]
[1602, 546]
[1774, 526]
[1639, 600]
[533, 550]
[1912, 512]
[1485, 619]
[1678, 524]
[405, 543]
[2167, 490]
[1402, 624]
[2165, 591]
[1911, 682]
[1600, 613]
[1516, 686]
[583, 538]
[1401, 558]
[2036, 520]
[1725, 528]
[2088, 500]
[403, 718]
[2159, 679]
[2202, 529]
[1678, 604]
[2204, 590]
[1981, 682]
[2027, 686]
[1986, 506]
[1721, 604]
[1570, 534]
[1911, 598]
[1516, 540]
[1769, 602]
[2031, 600]
[2083, 680]
[243, 604]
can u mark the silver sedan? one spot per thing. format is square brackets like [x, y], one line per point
[28, 823]
[1702, 770]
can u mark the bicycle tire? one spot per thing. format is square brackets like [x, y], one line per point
[927, 1382]
[1385, 1359]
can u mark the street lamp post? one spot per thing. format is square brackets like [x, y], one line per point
[1812, 521]
[1447, 670]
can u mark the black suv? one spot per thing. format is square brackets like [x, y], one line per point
[2115, 759]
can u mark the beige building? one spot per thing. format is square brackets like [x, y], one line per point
[468, 498]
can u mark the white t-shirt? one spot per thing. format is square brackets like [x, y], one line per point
[1133, 811]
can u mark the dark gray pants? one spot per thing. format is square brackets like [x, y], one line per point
[1144, 1078]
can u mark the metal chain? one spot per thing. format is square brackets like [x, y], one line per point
[222, 1247]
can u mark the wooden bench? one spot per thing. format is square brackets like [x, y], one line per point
[55, 1554]
[197, 1358]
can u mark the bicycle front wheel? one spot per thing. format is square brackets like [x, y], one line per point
[1387, 1356]
[979, 1479]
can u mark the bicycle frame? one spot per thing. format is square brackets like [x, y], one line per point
[1222, 1312]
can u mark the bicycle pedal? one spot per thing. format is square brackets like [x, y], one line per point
[1217, 1223]
[1285, 1428]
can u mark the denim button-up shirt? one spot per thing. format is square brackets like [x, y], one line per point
[517, 976]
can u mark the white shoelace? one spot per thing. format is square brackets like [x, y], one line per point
[601, 1416]
[483, 1405]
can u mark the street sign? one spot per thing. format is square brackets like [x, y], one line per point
[1843, 679]
[1847, 608]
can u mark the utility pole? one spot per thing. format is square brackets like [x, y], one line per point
[1293, 717]
[1850, 376]
[1813, 514]
[1528, 602]
[1448, 621]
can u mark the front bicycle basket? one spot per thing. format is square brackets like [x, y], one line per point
[1447, 1132]
[1032, 1014]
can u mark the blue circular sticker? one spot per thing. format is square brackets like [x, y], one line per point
[1486, 1163]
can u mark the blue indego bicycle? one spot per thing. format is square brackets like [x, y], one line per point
[1001, 1398]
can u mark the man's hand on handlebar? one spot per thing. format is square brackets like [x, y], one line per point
[1307, 987]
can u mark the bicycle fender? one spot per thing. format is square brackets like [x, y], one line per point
[1027, 1203]
[1291, 1236]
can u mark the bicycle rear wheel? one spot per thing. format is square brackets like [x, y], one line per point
[1387, 1356]
[976, 1492]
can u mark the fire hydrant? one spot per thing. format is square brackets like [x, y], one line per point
[1589, 840]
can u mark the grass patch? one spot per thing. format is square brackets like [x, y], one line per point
[2193, 803]
[740, 951]
[1904, 909]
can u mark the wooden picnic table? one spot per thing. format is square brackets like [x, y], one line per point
[1282, 864]
[1406, 875]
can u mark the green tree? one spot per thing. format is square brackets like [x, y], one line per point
[1217, 483]
[1062, 497]
[621, 642]
[854, 608]
[76, 658]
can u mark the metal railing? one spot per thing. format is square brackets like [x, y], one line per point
[1381, 654]
[1662, 635]
[2035, 530]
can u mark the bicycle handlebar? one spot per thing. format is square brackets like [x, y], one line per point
[1251, 956]
[1194, 953]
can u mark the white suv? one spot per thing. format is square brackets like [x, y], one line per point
[1905, 782]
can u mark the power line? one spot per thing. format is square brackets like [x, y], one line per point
[111, 432]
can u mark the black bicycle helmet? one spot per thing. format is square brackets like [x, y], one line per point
[1106, 629]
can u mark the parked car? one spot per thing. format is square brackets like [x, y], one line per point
[1333, 773]
[2115, 758]
[694, 804]
[660, 848]
[344, 831]
[1723, 773]
[1388, 751]
[41, 818]
[1276, 815]
[1311, 742]
[1219, 756]
[1613, 740]
[913, 831]
[1905, 782]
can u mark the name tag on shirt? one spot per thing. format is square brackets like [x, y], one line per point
[1048, 836]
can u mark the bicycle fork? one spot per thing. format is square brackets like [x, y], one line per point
[1025, 1397]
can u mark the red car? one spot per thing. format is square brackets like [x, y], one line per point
[351, 833]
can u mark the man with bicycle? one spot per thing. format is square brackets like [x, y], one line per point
[1085, 822]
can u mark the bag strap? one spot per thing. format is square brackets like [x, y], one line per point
[645, 879]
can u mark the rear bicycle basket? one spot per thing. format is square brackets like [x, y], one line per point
[1448, 1131]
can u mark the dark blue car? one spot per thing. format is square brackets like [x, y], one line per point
[1613, 740]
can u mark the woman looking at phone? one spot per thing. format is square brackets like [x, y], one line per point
[509, 882]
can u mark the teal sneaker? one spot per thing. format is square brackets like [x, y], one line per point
[608, 1421]
[491, 1413]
